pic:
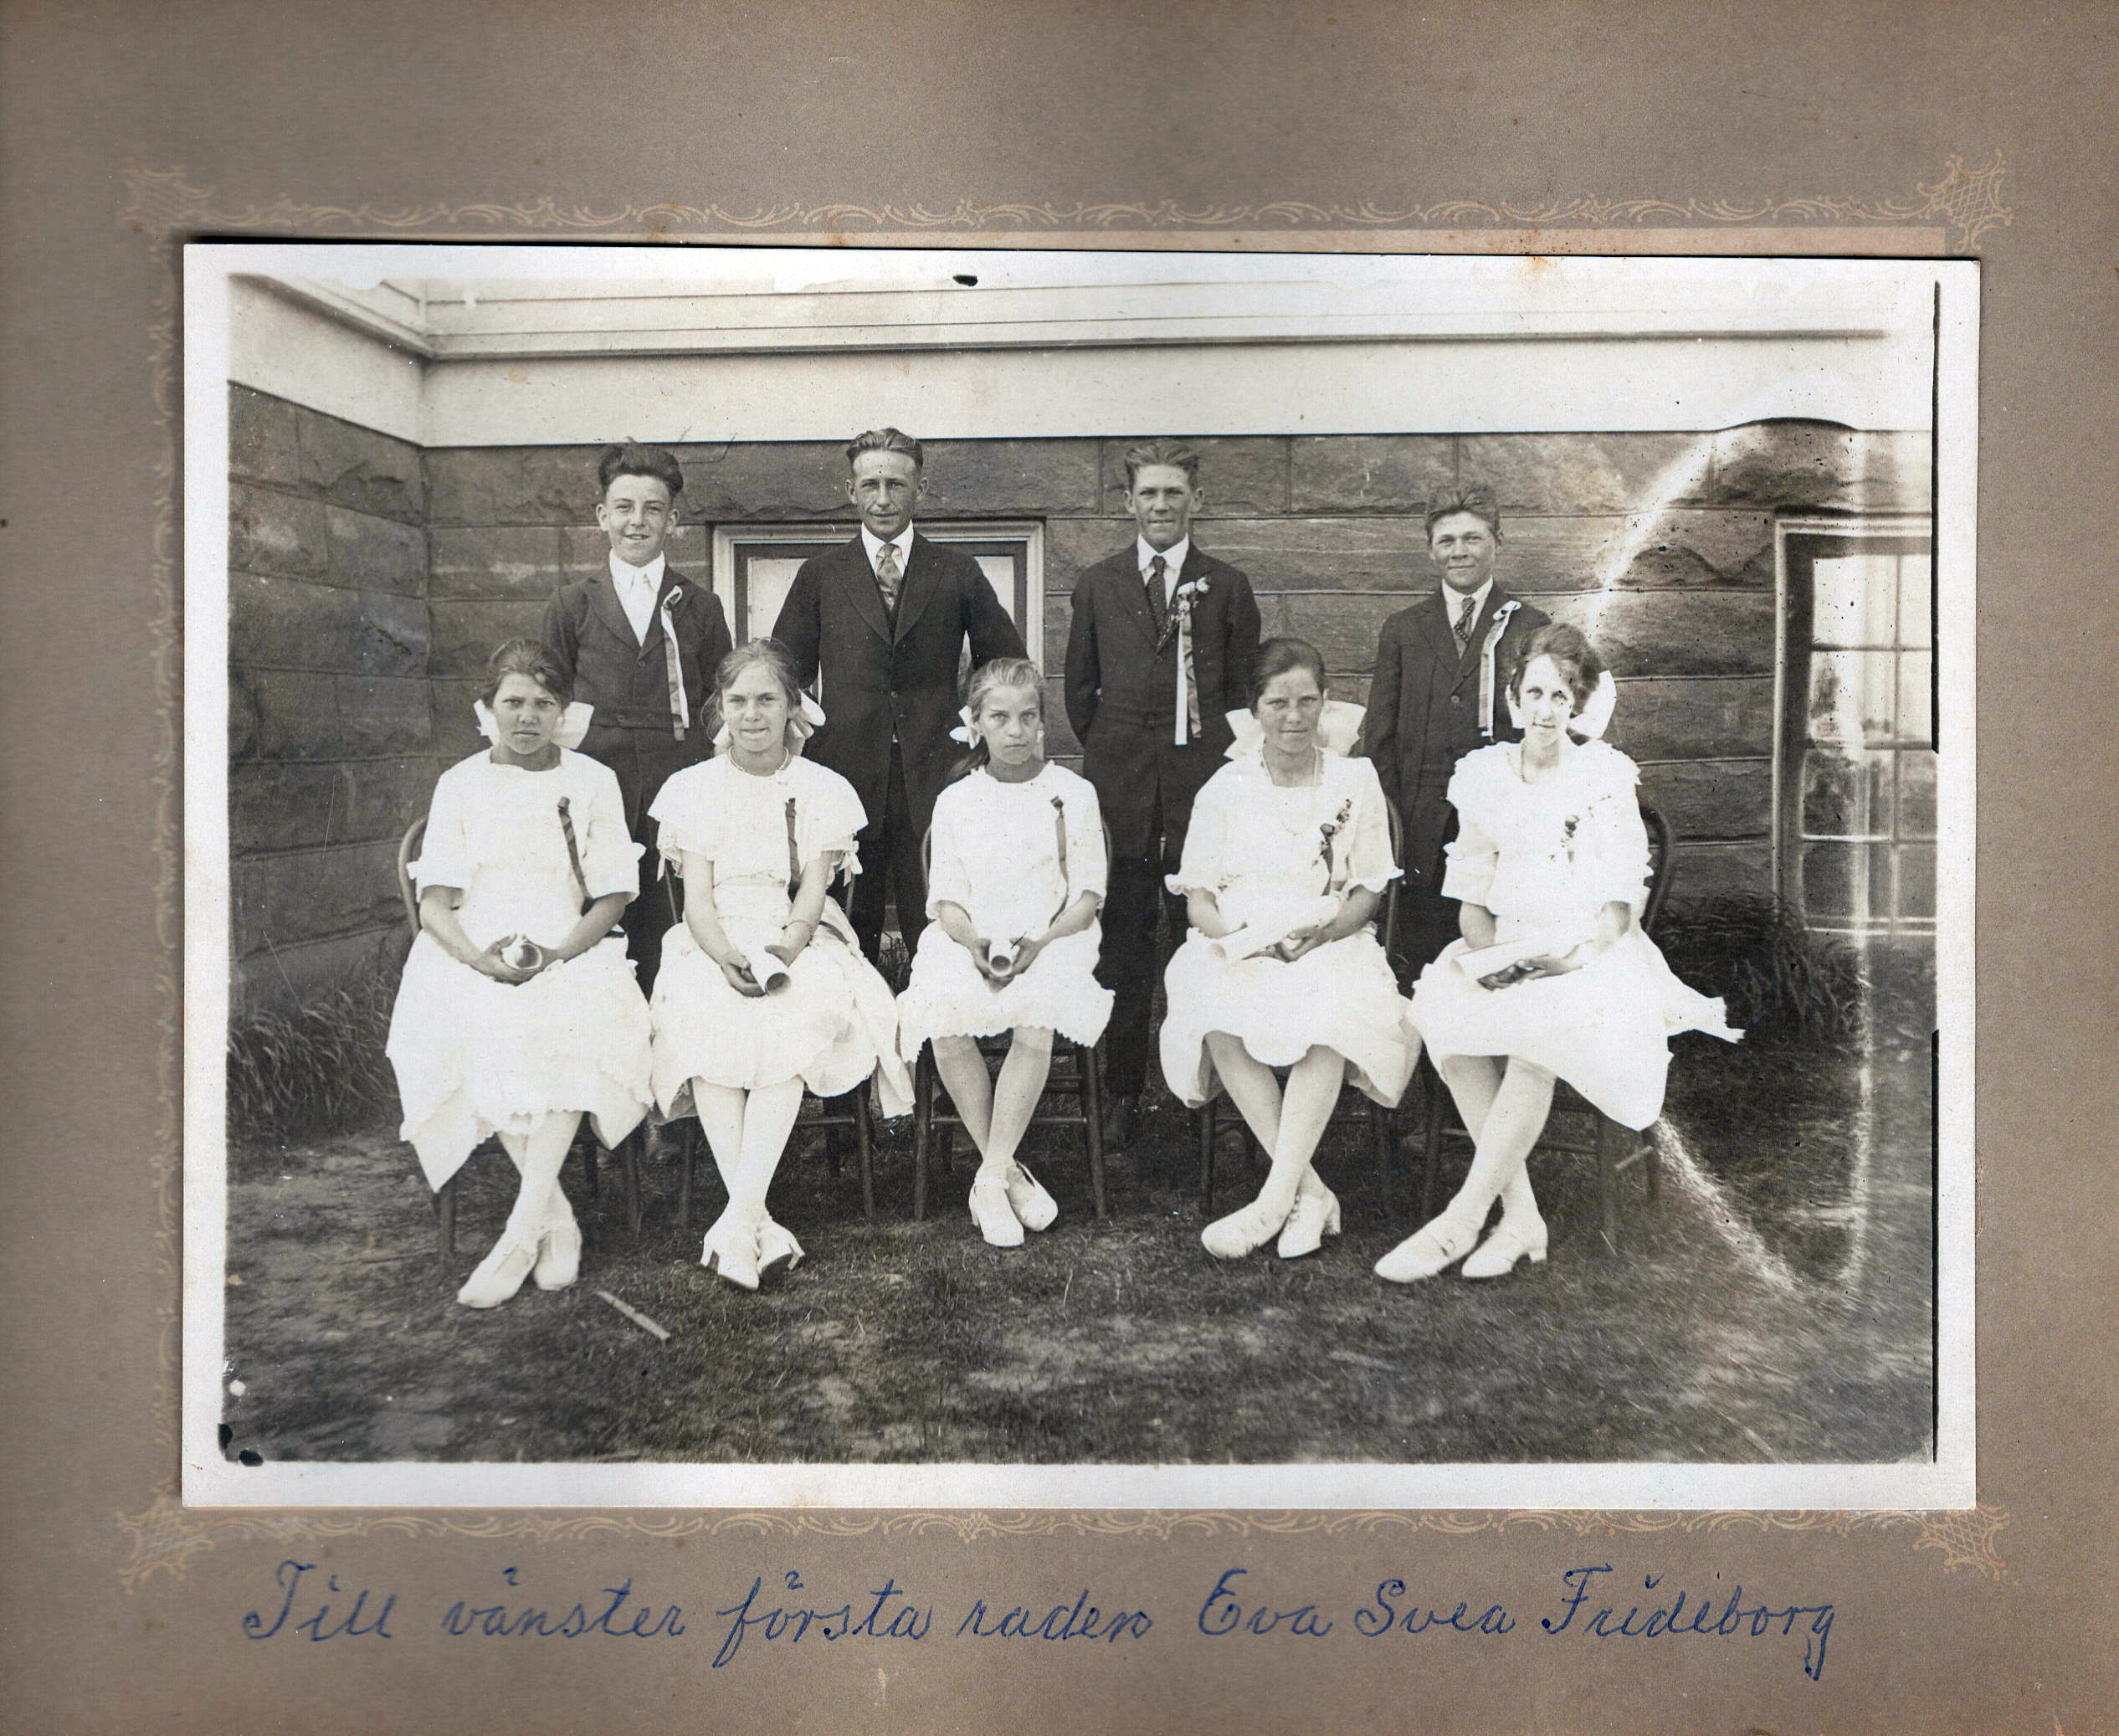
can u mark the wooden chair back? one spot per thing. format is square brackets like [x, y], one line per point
[408, 854]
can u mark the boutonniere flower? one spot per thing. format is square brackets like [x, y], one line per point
[1182, 604]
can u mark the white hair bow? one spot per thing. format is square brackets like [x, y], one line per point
[968, 731]
[1338, 728]
[573, 722]
[807, 719]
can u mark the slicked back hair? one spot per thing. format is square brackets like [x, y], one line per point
[630, 458]
[886, 439]
[1475, 498]
[1173, 453]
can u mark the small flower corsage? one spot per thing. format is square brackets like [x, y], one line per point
[1327, 832]
[1187, 596]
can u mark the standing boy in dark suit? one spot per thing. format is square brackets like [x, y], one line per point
[1439, 690]
[1160, 647]
[643, 644]
[876, 628]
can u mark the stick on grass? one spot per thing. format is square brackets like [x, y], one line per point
[636, 1317]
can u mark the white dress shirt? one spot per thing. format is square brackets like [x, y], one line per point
[638, 586]
[1145, 558]
[902, 543]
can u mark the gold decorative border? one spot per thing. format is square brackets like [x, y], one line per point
[1965, 202]
[168, 1536]
[165, 206]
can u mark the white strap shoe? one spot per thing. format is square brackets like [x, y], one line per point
[1034, 1208]
[1430, 1248]
[730, 1251]
[559, 1255]
[1243, 1232]
[995, 1218]
[1496, 1257]
[1315, 1216]
[500, 1274]
[777, 1249]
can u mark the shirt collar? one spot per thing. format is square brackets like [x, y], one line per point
[1453, 602]
[625, 575]
[902, 543]
[1174, 556]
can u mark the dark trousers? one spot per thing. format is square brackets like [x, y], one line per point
[889, 848]
[1427, 922]
[642, 761]
[1132, 961]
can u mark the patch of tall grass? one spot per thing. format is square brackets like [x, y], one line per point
[1783, 983]
[318, 1069]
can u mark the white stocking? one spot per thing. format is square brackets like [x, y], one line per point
[769, 1118]
[1474, 1081]
[1015, 1098]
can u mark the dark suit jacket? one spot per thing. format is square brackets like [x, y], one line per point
[881, 681]
[628, 682]
[1122, 697]
[1424, 716]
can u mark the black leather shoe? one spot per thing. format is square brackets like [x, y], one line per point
[1121, 1118]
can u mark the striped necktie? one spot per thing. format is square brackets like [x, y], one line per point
[1463, 622]
[886, 575]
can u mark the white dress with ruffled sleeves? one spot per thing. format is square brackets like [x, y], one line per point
[1264, 851]
[834, 1024]
[1013, 857]
[474, 1056]
[1547, 856]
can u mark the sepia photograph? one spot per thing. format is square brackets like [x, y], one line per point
[972, 877]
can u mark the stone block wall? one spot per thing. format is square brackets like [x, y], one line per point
[369, 582]
[331, 744]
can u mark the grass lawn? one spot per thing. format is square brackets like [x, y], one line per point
[1775, 1305]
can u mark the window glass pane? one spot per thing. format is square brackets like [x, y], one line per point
[1882, 864]
[1846, 794]
[1000, 573]
[1916, 794]
[1915, 696]
[766, 580]
[1851, 696]
[1833, 881]
[1916, 881]
[1855, 599]
[1915, 600]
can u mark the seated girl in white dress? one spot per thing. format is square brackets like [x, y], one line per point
[762, 993]
[518, 1011]
[1553, 978]
[1015, 879]
[1285, 861]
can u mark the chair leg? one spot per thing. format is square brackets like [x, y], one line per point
[1431, 1155]
[445, 1214]
[1379, 1126]
[923, 1116]
[634, 1143]
[590, 1153]
[1607, 1183]
[1202, 1121]
[1652, 1163]
[1090, 1084]
[864, 1146]
[687, 1153]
